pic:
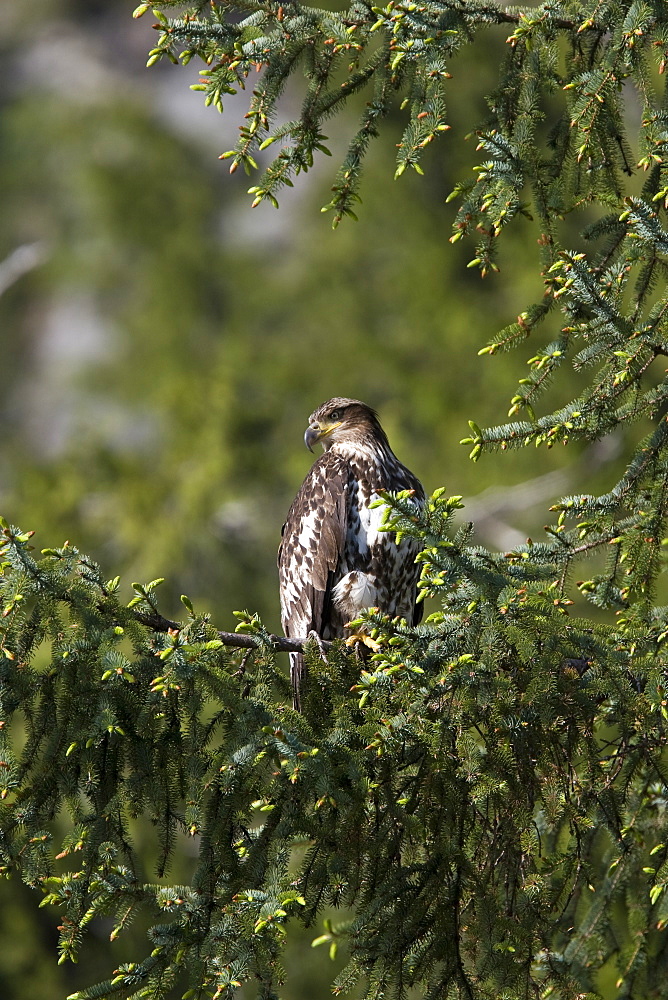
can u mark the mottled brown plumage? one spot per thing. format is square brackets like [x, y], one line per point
[333, 562]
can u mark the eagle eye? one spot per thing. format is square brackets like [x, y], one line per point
[335, 415]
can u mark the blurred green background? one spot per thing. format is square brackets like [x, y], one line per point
[162, 345]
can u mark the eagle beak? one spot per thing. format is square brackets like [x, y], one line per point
[311, 436]
[317, 431]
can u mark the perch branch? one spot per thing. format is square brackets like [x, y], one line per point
[280, 643]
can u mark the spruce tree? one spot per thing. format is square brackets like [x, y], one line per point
[484, 800]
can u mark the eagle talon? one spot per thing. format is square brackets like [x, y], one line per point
[358, 637]
[319, 643]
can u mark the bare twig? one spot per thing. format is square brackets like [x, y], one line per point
[22, 260]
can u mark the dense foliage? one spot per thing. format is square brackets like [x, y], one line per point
[484, 800]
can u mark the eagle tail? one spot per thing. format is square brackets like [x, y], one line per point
[297, 674]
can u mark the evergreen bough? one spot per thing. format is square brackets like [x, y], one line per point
[485, 800]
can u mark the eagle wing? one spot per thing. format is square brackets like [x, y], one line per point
[313, 540]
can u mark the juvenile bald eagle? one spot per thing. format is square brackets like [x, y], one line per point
[333, 562]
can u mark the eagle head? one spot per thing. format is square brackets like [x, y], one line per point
[340, 421]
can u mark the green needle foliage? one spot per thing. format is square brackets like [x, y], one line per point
[484, 798]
